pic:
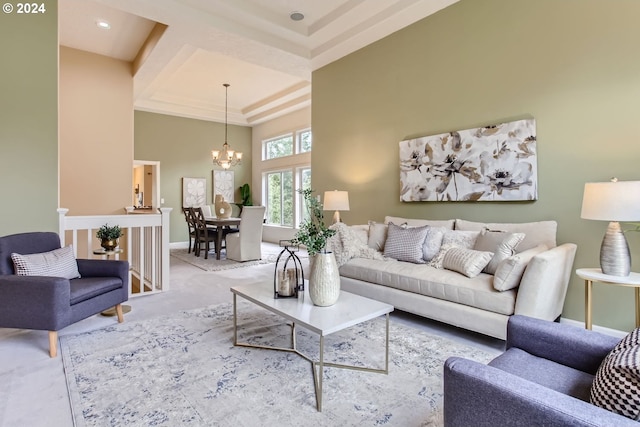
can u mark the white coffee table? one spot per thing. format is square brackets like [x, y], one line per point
[350, 310]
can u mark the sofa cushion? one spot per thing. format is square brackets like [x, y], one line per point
[536, 233]
[377, 235]
[501, 243]
[616, 386]
[89, 287]
[466, 261]
[510, 271]
[410, 222]
[56, 263]
[544, 372]
[437, 283]
[405, 244]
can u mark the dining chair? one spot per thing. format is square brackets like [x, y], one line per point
[206, 210]
[191, 227]
[245, 245]
[204, 234]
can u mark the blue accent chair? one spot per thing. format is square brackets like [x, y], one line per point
[51, 303]
[542, 379]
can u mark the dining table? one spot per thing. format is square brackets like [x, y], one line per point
[220, 224]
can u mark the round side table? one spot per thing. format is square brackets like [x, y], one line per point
[591, 275]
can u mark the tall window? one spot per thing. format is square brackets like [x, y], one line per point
[279, 197]
[289, 156]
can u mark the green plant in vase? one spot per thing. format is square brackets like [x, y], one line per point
[245, 196]
[109, 236]
[313, 232]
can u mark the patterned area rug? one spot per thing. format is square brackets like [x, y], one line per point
[269, 256]
[183, 370]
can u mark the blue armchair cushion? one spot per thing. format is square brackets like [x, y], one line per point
[56, 263]
[617, 383]
[545, 372]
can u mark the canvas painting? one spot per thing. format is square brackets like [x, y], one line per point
[491, 163]
[194, 192]
[223, 183]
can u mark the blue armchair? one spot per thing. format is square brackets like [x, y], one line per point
[542, 379]
[51, 303]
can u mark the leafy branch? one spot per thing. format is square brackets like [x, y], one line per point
[313, 233]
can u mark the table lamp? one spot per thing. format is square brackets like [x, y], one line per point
[336, 201]
[613, 201]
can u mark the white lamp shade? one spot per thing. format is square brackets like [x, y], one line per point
[336, 200]
[611, 201]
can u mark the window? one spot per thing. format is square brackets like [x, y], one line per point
[284, 145]
[279, 192]
[278, 147]
[304, 141]
[286, 169]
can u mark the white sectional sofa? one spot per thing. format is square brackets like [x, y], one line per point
[526, 273]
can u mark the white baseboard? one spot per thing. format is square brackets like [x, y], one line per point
[608, 331]
[179, 245]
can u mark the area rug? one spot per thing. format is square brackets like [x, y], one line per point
[269, 256]
[183, 370]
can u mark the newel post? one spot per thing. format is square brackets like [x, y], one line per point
[62, 212]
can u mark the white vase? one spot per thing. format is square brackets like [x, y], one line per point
[324, 280]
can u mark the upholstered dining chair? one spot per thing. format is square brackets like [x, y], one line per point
[245, 245]
[204, 234]
[43, 286]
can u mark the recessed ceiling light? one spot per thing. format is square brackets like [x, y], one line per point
[101, 23]
[296, 16]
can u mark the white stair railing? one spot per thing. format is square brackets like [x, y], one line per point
[145, 244]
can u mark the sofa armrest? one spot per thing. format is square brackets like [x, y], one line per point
[104, 268]
[544, 283]
[481, 395]
[567, 345]
[34, 302]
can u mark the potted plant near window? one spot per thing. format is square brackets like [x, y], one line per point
[245, 197]
[324, 280]
[109, 236]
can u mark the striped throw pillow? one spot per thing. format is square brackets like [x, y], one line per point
[57, 263]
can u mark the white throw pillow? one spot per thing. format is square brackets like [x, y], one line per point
[502, 244]
[57, 263]
[510, 271]
[466, 261]
[405, 244]
[377, 235]
[432, 242]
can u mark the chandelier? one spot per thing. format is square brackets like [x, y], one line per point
[226, 157]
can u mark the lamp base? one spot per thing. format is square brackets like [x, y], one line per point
[336, 217]
[615, 258]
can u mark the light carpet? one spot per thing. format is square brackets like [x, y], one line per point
[183, 370]
[269, 256]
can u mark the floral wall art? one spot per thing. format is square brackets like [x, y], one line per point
[223, 183]
[491, 163]
[194, 192]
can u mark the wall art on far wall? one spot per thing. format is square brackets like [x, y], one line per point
[194, 192]
[491, 163]
[223, 183]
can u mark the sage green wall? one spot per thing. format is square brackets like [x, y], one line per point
[573, 65]
[29, 121]
[183, 148]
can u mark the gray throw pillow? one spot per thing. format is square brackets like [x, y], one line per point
[405, 244]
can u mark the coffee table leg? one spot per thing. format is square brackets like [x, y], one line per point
[235, 322]
[320, 375]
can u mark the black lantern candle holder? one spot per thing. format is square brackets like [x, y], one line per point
[288, 278]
